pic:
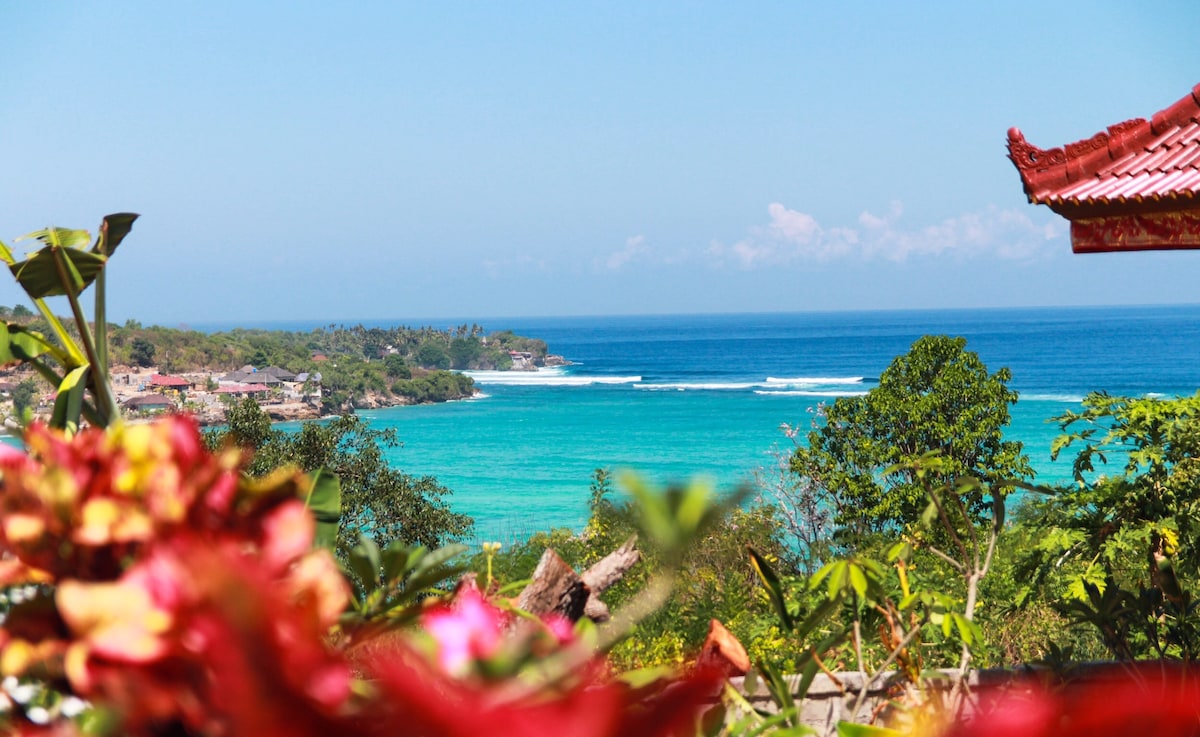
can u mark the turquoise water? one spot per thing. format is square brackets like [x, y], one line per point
[685, 396]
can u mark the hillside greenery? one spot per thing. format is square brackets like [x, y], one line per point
[403, 364]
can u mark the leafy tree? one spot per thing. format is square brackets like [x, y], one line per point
[382, 502]
[142, 352]
[21, 311]
[1121, 552]
[436, 386]
[246, 425]
[938, 397]
[25, 396]
[432, 355]
[396, 367]
[464, 352]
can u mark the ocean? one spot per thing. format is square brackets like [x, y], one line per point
[704, 396]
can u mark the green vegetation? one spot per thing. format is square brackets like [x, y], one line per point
[937, 398]
[385, 504]
[905, 535]
[24, 397]
[887, 543]
[461, 348]
[1120, 553]
[359, 366]
[714, 578]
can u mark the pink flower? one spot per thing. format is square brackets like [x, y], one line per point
[560, 627]
[467, 629]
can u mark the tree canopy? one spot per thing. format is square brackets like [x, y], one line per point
[382, 502]
[939, 397]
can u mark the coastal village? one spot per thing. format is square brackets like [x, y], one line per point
[143, 393]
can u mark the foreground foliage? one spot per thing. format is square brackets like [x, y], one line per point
[179, 596]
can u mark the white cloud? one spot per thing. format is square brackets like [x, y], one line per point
[793, 235]
[635, 246]
[790, 225]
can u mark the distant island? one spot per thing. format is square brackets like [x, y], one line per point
[293, 375]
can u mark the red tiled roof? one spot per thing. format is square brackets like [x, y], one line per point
[160, 380]
[1134, 166]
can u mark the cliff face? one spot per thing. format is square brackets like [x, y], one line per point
[291, 411]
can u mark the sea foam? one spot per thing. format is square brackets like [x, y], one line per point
[816, 380]
[545, 377]
[699, 386]
[809, 393]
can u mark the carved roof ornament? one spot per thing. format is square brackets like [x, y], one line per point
[1132, 167]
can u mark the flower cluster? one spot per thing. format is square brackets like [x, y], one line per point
[178, 596]
[162, 574]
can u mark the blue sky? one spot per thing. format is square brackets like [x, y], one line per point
[398, 161]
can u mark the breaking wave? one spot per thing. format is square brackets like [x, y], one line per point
[772, 384]
[816, 380]
[1072, 398]
[809, 393]
[545, 377]
[700, 386]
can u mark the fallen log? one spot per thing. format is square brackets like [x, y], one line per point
[556, 587]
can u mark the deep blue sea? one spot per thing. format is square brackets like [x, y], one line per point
[674, 397]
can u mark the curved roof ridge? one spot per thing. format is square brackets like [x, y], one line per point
[1134, 161]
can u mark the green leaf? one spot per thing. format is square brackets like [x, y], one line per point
[818, 615]
[39, 274]
[60, 237]
[113, 230]
[643, 677]
[395, 560]
[968, 631]
[6, 354]
[437, 558]
[69, 403]
[774, 589]
[325, 502]
[24, 344]
[901, 550]
[858, 580]
[851, 729]
[693, 506]
[837, 579]
[434, 567]
[712, 721]
[365, 564]
[780, 690]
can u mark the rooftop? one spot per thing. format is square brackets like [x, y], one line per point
[1132, 167]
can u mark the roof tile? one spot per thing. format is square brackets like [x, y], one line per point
[1131, 162]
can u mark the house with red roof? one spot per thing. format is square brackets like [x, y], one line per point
[1132, 187]
[158, 381]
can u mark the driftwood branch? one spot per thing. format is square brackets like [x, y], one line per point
[557, 588]
[606, 572]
